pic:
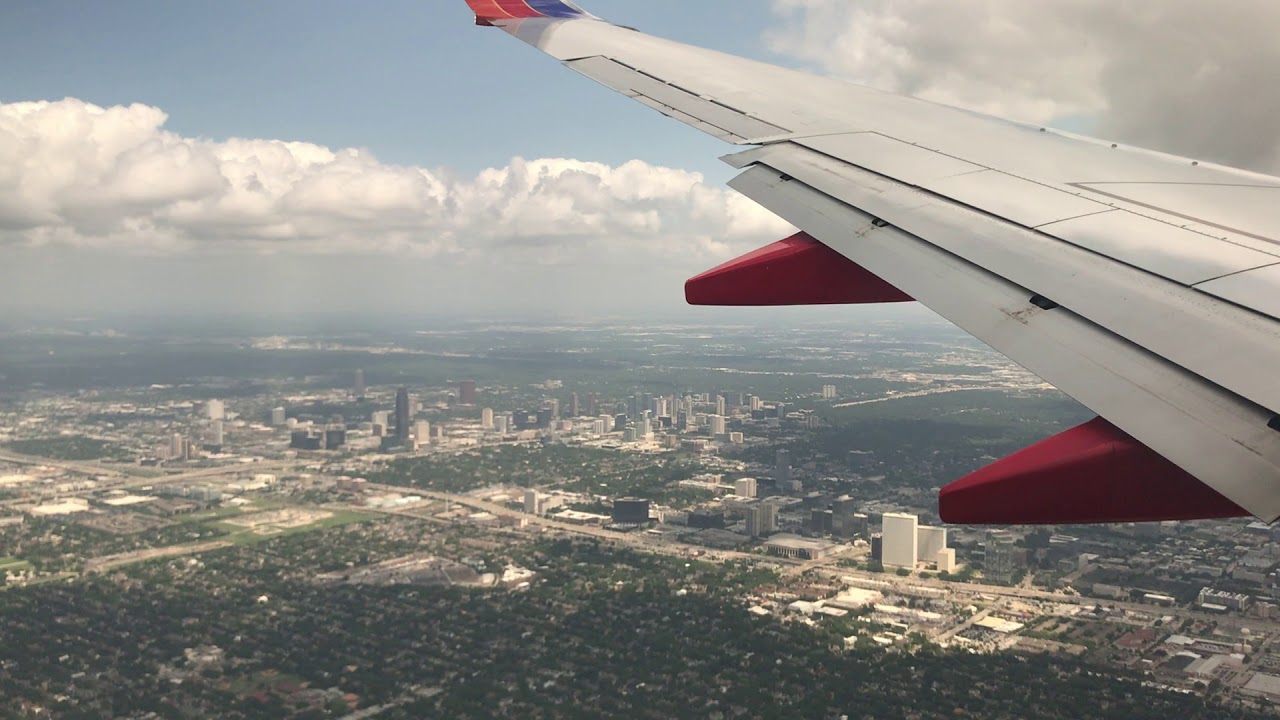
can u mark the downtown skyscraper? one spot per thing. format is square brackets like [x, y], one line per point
[402, 415]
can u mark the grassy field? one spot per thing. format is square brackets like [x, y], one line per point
[242, 536]
[13, 564]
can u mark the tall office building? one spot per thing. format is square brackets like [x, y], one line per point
[929, 542]
[900, 540]
[305, 440]
[828, 392]
[216, 410]
[1001, 559]
[278, 416]
[721, 404]
[501, 424]
[535, 503]
[402, 415]
[380, 417]
[844, 518]
[217, 434]
[335, 437]
[754, 403]
[486, 419]
[593, 404]
[630, 511]
[422, 432]
[657, 406]
[718, 425]
[762, 519]
[745, 487]
[574, 409]
[638, 404]
[820, 521]
[357, 387]
[554, 407]
[782, 468]
[467, 392]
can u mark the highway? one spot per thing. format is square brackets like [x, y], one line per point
[70, 466]
[633, 539]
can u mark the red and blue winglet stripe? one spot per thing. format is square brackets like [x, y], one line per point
[492, 10]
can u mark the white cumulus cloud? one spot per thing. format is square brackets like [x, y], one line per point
[1187, 76]
[72, 173]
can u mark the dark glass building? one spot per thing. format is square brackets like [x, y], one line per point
[402, 415]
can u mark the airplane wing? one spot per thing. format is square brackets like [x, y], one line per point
[1146, 286]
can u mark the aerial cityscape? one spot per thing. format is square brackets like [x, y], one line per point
[340, 524]
[593, 359]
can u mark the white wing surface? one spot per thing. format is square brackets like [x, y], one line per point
[1145, 285]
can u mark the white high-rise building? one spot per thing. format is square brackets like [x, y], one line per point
[278, 417]
[828, 392]
[745, 487]
[217, 433]
[947, 560]
[422, 432]
[606, 422]
[535, 503]
[717, 425]
[486, 419]
[755, 403]
[217, 410]
[644, 428]
[500, 424]
[382, 417]
[929, 542]
[720, 405]
[900, 540]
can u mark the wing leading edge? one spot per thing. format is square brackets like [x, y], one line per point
[1093, 266]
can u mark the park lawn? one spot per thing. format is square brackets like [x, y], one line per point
[13, 564]
[260, 682]
[242, 536]
[254, 505]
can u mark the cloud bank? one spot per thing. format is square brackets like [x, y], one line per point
[75, 174]
[1183, 76]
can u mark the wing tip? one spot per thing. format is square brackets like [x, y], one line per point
[488, 12]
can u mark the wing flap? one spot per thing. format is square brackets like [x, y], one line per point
[1174, 321]
[1256, 289]
[1181, 255]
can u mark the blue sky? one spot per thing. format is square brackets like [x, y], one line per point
[412, 80]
